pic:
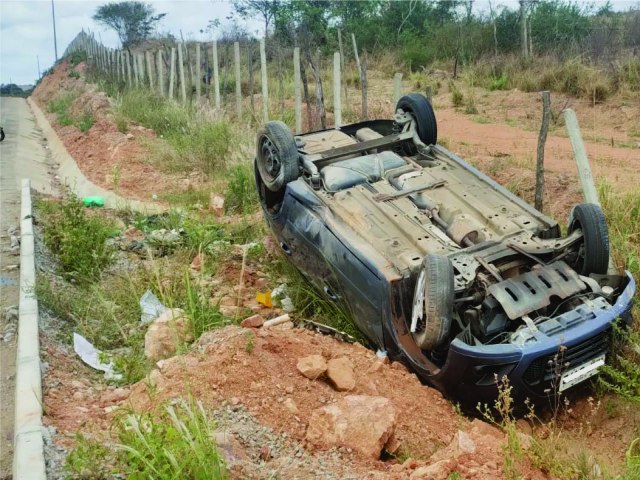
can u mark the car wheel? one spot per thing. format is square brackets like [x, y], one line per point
[593, 256]
[422, 111]
[1, 134]
[433, 302]
[277, 155]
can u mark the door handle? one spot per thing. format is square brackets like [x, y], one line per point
[285, 248]
[329, 293]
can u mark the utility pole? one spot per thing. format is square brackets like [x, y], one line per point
[38, 60]
[55, 39]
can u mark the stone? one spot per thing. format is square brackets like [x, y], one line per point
[11, 313]
[340, 372]
[435, 471]
[312, 366]
[115, 396]
[461, 444]
[166, 333]
[216, 204]
[291, 406]
[15, 241]
[229, 448]
[360, 422]
[254, 321]
[229, 310]
[165, 237]
[196, 263]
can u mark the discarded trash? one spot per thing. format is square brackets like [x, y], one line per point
[91, 356]
[382, 354]
[151, 307]
[264, 298]
[276, 321]
[93, 201]
[280, 295]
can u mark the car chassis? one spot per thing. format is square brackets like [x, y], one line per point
[437, 263]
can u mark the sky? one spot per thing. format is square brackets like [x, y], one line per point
[26, 28]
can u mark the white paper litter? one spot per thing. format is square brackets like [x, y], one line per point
[279, 294]
[91, 356]
[151, 307]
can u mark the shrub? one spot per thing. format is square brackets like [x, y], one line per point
[177, 443]
[79, 240]
[240, 196]
[60, 106]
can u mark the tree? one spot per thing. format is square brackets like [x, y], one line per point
[268, 9]
[132, 21]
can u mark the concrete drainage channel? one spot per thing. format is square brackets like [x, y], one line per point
[28, 457]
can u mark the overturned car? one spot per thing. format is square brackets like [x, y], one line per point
[438, 264]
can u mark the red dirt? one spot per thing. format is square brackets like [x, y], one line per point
[113, 160]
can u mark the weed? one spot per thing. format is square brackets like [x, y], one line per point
[240, 196]
[177, 443]
[457, 97]
[249, 343]
[77, 56]
[60, 106]
[121, 123]
[88, 459]
[191, 197]
[79, 240]
[73, 74]
[498, 83]
[85, 122]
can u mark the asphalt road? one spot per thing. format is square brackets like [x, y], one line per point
[22, 155]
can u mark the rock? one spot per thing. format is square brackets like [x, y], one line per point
[340, 372]
[129, 136]
[291, 406]
[312, 366]
[166, 333]
[435, 471]
[15, 241]
[461, 444]
[360, 422]
[11, 314]
[229, 448]
[115, 396]
[165, 237]
[254, 321]
[216, 204]
[196, 263]
[156, 379]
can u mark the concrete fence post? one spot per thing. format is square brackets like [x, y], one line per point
[160, 69]
[183, 86]
[198, 79]
[236, 52]
[296, 87]
[397, 87]
[172, 72]
[216, 79]
[265, 87]
[147, 56]
[136, 69]
[337, 87]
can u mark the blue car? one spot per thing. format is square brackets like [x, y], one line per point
[438, 264]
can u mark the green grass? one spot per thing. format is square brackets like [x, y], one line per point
[60, 106]
[176, 443]
[79, 240]
[240, 195]
[190, 139]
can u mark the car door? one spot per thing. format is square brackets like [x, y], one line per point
[332, 266]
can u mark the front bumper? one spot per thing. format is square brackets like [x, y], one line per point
[535, 361]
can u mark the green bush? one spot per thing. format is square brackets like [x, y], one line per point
[78, 240]
[240, 196]
[60, 106]
[177, 443]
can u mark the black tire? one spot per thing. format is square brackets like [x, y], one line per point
[1, 134]
[434, 325]
[420, 108]
[593, 256]
[277, 155]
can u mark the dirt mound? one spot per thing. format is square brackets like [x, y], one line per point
[256, 370]
[109, 158]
